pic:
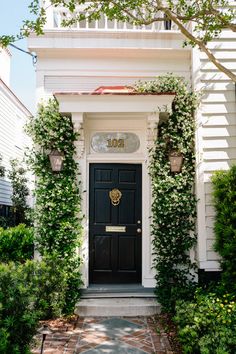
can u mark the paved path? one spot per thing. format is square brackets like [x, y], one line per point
[108, 335]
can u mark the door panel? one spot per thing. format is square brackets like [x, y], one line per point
[126, 215]
[127, 251]
[102, 207]
[115, 257]
[102, 252]
[127, 176]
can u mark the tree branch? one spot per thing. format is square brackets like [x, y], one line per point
[200, 44]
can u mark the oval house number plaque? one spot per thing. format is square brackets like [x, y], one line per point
[115, 142]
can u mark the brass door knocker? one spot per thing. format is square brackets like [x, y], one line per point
[115, 196]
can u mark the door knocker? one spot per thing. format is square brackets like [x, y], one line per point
[115, 196]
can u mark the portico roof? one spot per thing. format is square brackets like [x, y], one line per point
[113, 99]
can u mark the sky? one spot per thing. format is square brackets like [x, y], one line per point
[22, 83]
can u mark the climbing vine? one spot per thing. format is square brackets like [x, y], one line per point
[173, 199]
[57, 209]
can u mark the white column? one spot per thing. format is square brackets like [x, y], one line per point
[147, 271]
[80, 157]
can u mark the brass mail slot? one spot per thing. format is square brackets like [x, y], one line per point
[115, 228]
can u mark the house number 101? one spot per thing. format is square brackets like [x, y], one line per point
[115, 143]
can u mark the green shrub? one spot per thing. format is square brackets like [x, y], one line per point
[29, 292]
[18, 313]
[16, 244]
[224, 193]
[73, 276]
[56, 287]
[50, 286]
[207, 325]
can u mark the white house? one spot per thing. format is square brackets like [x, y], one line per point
[13, 115]
[72, 64]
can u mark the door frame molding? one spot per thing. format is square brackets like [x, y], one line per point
[146, 206]
[145, 127]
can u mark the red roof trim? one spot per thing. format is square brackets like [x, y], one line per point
[93, 93]
[114, 90]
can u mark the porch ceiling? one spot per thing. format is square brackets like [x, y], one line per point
[125, 102]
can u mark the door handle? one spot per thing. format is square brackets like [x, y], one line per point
[139, 231]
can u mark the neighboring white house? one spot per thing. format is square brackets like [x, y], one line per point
[74, 61]
[13, 115]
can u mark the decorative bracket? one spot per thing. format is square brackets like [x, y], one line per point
[78, 120]
[152, 129]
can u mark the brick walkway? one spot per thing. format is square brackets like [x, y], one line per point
[118, 335]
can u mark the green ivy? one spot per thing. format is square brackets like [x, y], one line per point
[173, 199]
[57, 210]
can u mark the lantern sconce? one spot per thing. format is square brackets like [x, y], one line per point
[176, 161]
[56, 160]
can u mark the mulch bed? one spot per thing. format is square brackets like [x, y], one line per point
[165, 324]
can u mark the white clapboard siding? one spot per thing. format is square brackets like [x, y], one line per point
[218, 128]
[86, 83]
[87, 74]
[213, 77]
[219, 96]
[5, 192]
[80, 83]
[209, 66]
[220, 54]
[219, 86]
[220, 154]
[212, 166]
[13, 116]
[226, 142]
[212, 107]
[216, 119]
[219, 131]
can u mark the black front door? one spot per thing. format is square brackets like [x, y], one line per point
[115, 223]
